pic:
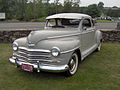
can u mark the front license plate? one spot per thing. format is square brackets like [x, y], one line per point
[26, 67]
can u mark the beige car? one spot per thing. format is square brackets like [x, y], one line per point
[66, 40]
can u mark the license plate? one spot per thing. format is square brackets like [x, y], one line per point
[26, 67]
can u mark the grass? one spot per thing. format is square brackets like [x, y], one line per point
[43, 19]
[104, 21]
[99, 71]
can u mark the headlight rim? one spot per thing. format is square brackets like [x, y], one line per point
[15, 46]
[58, 50]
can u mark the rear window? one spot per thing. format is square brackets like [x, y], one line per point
[70, 22]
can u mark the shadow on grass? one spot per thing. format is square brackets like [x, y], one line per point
[51, 75]
[89, 56]
[42, 74]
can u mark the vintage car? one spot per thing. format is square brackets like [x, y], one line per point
[67, 39]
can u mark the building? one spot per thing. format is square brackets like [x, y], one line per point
[75, 1]
[45, 1]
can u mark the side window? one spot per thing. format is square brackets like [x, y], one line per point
[51, 23]
[86, 23]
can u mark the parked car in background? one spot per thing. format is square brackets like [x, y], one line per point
[105, 18]
[67, 39]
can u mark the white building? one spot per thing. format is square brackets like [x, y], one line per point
[45, 1]
[75, 1]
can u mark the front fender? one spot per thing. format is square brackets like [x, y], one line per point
[98, 36]
[67, 47]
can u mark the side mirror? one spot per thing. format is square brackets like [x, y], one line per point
[85, 28]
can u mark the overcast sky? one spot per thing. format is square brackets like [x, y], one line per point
[108, 3]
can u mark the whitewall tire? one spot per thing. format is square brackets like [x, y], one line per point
[73, 65]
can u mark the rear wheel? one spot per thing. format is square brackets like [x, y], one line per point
[73, 65]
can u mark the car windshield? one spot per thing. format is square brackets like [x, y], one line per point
[63, 23]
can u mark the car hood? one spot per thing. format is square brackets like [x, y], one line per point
[37, 36]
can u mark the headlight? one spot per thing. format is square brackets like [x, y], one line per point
[55, 51]
[15, 46]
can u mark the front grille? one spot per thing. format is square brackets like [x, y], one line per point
[32, 56]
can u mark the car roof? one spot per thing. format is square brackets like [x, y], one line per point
[69, 16]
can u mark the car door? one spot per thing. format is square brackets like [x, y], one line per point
[87, 34]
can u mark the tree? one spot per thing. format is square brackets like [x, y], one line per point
[113, 12]
[76, 6]
[76, 3]
[56, 3]
[67, 6]
[10, 7]
[3, 5]
[35, 10]
[93, 10]
[29, 11]
[20, 9]
[101, 7]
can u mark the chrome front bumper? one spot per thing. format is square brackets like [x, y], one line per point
[39, 67]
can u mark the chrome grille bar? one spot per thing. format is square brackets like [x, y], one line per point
[38, 50]
[22, 53]
[33, 55]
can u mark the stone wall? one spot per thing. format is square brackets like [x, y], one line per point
[111, 36]
[10, 36]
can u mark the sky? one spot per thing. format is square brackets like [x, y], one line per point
[107, 3]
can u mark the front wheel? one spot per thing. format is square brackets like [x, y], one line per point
[73, 65]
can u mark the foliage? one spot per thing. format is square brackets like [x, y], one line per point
[67, 6]
[101, 7]
[93, 10]
[28, 10]
[113, 12]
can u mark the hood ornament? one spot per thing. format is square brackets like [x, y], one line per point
[30, 44]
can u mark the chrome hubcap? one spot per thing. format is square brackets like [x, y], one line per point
[73, 64]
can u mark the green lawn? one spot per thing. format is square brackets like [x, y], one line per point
[99, 71]
[103, 21]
